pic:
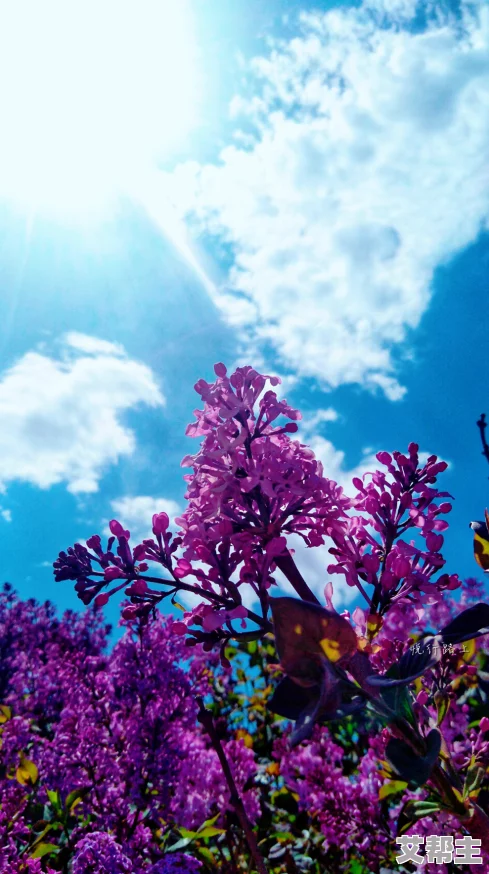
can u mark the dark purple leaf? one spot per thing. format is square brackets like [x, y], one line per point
[410, 766]
[289, 699]
[411, 665]
[320, 703]
[471, 623]
[307, 634]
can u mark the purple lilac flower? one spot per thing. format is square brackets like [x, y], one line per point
[178, 863]
[100, 853]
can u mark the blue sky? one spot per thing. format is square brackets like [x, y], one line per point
[299, 187]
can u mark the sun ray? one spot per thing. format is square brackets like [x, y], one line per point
[158, 206]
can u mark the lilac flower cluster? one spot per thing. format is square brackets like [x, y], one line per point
[201, 793]
[251, 488]
[346, 809]
[375, 551]
[99, 853]
[113, 732]
[399, 579]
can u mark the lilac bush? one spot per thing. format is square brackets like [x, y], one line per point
[251, 487]
[69, 788]
[174, 751]
[105, 742]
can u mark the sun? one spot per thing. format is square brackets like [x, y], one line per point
[91, 93]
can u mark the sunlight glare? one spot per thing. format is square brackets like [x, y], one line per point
[150, 192]
[91, 91]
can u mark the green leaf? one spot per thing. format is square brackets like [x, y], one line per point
[210, 832]
[180, 845]
[74, 797]
[206, 830]
[50, 826]
[208, 822]
[5, 713]
[414, 810]
[398, 698]
[205, 854]
[43, 850]
[469, 624]
[425, 808]
[282, 837]
[356, 867]
[54, 799]
[391, 788]
[474, 779]
[442, 703]
[406, 818]
[410, 666]
[27, 772]
[187, 834]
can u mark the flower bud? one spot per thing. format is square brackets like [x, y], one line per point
[161, 522]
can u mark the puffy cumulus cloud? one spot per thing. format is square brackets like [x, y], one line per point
[333, 461]
[61, 416]
[310, 422]
[363, 167]
[136, 513]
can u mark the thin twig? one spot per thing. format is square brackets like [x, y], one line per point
[205, 718]
[482, 425]
[232, 854]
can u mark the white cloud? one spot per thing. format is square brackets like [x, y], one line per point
[367, 169]
[93, 345]
[393, 9]
[333, 461]
[313, 561]
[309, 423]
[61, 416]
[313, 564]
[136, 513]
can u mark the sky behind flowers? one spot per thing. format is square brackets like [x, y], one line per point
[324, 218]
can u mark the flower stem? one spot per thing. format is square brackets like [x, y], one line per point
[287, 565]
[205, 718]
